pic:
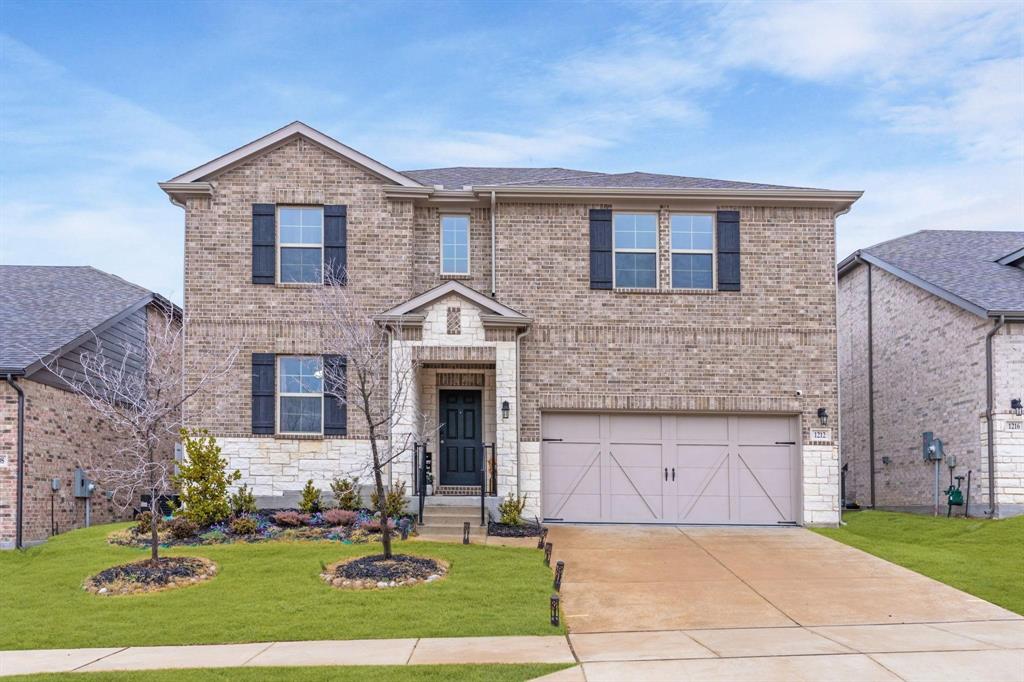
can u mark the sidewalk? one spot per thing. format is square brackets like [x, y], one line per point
[992, 651]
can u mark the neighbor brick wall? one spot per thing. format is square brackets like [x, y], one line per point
[929, 375]
[60, 434]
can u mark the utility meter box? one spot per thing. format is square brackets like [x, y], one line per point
[82, 486]
[931, 447]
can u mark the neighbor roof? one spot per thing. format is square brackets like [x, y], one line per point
[45, 307]
[466, 176]
[962, 266]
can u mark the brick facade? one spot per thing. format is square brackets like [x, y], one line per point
[748, 351]
[929, 375]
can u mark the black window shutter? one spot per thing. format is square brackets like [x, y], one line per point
[336, 243]
[263, 392]
[600, 248]
[264, 243]
[728, 250]
[335, 412]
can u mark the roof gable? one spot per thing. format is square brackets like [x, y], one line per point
[283, 136]
[485, 303]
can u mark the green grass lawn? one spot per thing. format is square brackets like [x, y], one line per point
[265, 592]
[984, 558]
[355, 673]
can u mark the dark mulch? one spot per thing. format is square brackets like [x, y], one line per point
[163, 571]
[399, 567]
[504, 530]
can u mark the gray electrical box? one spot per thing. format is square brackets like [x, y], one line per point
[82, 486]
[931, 447]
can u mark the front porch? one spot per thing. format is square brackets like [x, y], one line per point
[455, 374]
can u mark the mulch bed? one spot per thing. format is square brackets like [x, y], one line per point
[376, 572]
[151, 576]
[504, 530]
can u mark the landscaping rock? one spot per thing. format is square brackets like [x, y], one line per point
[374, 572]
[150, 576]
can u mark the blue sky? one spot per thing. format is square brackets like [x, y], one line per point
[919, 104]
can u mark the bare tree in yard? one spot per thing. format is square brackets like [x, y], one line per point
[138, 391]
[369, 382]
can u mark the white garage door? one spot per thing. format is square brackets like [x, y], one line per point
[648, 468]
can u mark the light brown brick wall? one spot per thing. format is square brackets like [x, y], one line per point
[748, 350]
[929, 376]
[59, 432]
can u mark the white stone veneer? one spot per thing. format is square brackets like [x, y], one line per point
[276, 466]
[820, 485]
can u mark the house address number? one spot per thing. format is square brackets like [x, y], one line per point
[821, 435]
[1015, 426]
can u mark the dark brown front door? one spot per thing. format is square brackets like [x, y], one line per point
[461, 443]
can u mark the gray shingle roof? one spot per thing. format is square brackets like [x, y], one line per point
[461, 176]
[43, 307]
[962, 262]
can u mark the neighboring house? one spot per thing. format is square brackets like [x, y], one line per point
[636, 347]
[53, 314]
[931, 339]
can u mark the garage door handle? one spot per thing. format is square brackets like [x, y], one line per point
[666, 473]
[551, 440]
[673, 473]
[785, 442]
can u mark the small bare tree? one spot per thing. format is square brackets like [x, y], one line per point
[138, 391]
[377, 381]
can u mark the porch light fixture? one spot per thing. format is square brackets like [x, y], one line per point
[823, 416]
[1017, 407]
[504, 409]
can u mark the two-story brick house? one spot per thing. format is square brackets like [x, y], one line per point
[636, 347]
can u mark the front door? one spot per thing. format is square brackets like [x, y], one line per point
[461, 444]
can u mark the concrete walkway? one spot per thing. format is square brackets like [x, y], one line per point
[989, 651]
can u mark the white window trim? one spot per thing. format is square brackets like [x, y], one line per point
[656, 251]
[291, 245]
[469, 251]
[705, 252]
[278, 394]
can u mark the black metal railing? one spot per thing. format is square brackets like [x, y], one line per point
[488, 478]
[423, 474]
[492, 470]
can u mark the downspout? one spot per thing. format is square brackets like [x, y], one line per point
[871, 390]
[494, 239]
[20, 512]
[989, 413]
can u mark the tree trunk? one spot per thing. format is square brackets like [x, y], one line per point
[378, 481]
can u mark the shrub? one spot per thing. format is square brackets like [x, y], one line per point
[373, 525]
[339, 517]
[244, 525]
[214, 537]
[394, 500]
[143, 520]
[243, 501]
[181, 528]
[311, 500]
[511, 510]
[202, 480]
[358, 536]
[346, 493]
[291, 519]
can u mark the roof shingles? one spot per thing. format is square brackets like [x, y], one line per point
[43, 307]
[963, 263]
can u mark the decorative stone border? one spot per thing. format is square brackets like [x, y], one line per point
[203, 570]
[331, 577]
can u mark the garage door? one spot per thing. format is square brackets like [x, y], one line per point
[646, 468]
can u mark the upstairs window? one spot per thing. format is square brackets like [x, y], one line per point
[301, 244]
[300, 394]
[636, 250]
[454, 245]
[693, 249]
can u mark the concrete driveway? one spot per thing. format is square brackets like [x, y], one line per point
[676, 603]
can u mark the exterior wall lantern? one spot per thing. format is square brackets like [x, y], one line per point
[504, 409]
[1017, 407]
[823, 416]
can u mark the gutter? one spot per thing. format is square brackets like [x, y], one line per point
[20, 512]
[989, 413]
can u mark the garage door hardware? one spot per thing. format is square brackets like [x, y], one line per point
[551, 440]
[785, 442]
[673, 473]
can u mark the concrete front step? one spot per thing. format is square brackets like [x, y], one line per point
[451, 531]
[450, 517]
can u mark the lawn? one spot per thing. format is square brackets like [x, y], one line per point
[411, 673]
[265, 592]
[984, 558]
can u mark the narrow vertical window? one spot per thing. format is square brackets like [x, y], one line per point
[636, 250]
[693, 250]
[300, 392]
[301, 244]
[454, 245]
